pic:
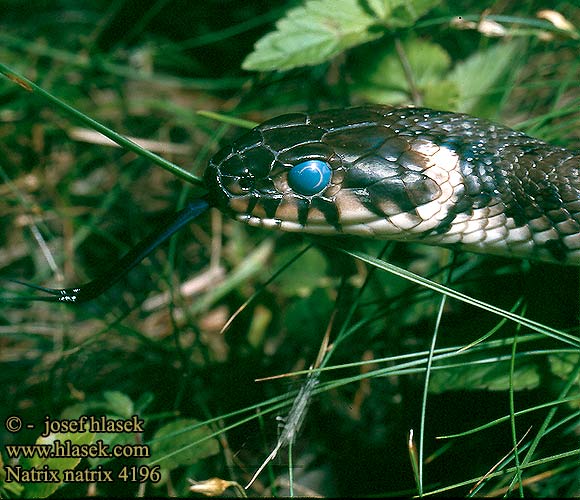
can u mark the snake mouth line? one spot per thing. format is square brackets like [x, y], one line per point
[485, 230]
[500, 238]
[374, 228]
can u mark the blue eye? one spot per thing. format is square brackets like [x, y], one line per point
[309, 177]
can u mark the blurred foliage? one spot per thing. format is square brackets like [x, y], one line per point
[152, 347]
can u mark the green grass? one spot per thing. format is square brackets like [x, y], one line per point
[476, 356]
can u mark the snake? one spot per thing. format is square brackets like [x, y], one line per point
[407, 174]
[410, 174]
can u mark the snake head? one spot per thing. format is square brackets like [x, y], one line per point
[355, 171]
[277, 174]
[407, 174]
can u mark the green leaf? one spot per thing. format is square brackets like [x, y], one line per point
[383, 79]
[111, 439]
[112, 402]
[562, 365]
[441, 95]
[45, 489]
[119, 403]
[493, 377]
[113, 405]
[477, 76]
[174, 436]
[14, 488]
[305, 275]
[143, 402]
[401, 13]
[321, 29]
[305, 318]
[311, 34]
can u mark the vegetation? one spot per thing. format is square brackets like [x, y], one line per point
[440, 373]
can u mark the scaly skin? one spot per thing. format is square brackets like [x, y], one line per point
[409, 174]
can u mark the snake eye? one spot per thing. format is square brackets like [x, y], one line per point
[309, 177]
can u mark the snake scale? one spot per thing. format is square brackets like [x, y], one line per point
[410, 174]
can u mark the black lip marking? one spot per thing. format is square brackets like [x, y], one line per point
[557, 249]
[329, 210]
[303, 206]
[463, 205]
[394, 191]
[270, 205]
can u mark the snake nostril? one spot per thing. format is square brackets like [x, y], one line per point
[246, 183]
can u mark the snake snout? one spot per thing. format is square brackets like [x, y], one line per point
[272, 175]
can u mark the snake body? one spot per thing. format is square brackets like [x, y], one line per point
[411, 174]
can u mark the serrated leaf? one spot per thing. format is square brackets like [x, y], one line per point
[478, 74]
[179, 434]
[45, 489]
[311, 34]
[493, 377]
[383, 79]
